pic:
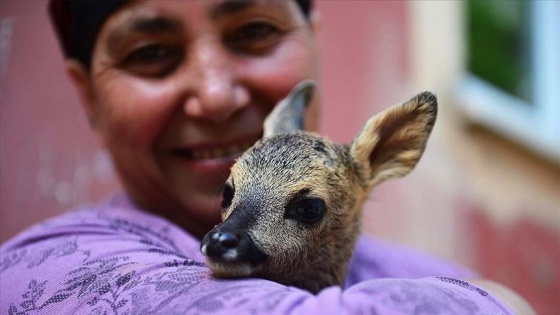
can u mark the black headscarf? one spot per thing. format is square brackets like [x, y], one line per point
[77, 23]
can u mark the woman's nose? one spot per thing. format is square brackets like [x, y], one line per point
[216, 92]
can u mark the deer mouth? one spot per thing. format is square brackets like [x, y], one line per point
[231, 253]
[224, 269]
[233, 263]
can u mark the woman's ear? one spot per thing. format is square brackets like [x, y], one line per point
[315, 20]
[80, 77]
[313, 112]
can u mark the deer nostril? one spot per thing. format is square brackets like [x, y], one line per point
[228, 240]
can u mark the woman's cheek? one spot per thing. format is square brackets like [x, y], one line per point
[279, 73]
[136, 114]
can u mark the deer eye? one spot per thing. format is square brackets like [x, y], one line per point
[227, 196]
[307, 210]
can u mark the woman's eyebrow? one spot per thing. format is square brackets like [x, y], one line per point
[228, 7]
[153, 25]
[143, 25]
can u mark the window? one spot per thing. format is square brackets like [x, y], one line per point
[513, 80]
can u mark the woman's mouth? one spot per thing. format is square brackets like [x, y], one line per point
[213, 152]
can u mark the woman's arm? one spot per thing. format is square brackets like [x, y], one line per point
[510, 298]
[115, 262]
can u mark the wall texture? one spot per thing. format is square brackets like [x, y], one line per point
[49, 159]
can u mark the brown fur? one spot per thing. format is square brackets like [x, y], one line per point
[281, 166]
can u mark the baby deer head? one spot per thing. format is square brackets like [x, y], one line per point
[291, 207]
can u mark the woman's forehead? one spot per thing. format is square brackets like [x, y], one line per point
[212, 9]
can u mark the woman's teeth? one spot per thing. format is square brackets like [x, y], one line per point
[218, 152]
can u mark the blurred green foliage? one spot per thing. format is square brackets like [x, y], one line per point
[498, 44]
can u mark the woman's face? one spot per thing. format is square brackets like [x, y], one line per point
[179, 89]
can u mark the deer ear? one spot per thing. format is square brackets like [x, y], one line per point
[392, 142]
[288, 115]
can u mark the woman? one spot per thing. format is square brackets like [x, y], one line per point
[176, 90]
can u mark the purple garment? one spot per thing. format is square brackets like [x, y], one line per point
[116, 259]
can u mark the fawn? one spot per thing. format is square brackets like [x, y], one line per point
[291, 206]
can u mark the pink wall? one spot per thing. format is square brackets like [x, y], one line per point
[49, 159]
[364, 62]
[523, 255]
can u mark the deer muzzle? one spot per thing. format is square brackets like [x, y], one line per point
[231, 252]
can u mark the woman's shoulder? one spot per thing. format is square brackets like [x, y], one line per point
[90, 253]
[375, 259]
[114, 217]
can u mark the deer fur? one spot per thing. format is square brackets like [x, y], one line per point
[292, 204]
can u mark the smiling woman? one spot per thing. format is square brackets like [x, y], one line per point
[176, 91]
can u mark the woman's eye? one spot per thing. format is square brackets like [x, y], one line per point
[149, 53]
[255, 37]
[153, 60]
[256, 31]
